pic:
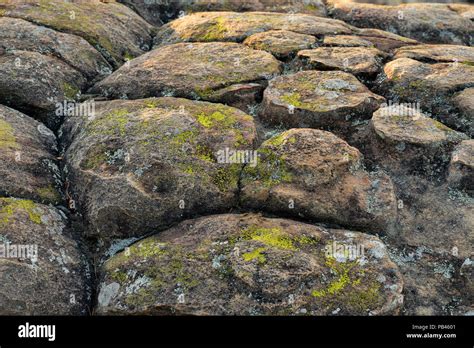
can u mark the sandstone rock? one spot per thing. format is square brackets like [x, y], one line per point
[20, 35]
[234, 26]
[144, 164]
[431, 23]
[42, 271]
[27, 151]
[464, 102]
[411, 140]
[346, 41]
[250, 265]
[315, 99]
[113, 29]
[54, 81]
[314, 174]
[356, 60]
[198, 71]
[431, 86]
[280, 43]
[154, 12]
[379, 39]
[465, 10]
[461, 168]
[438, 53]
[467, 272]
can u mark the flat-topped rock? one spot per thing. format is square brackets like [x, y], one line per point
[317, 99]
[431, 23]
[356, 60]
[198, 71]
[140, 165]
[313, 174]
[382, 40]
[42, 271]
[431, 85]
[27, 155]
[234, 26]
[438, 53]
[251, 265]
[280, 43]
[113, 29]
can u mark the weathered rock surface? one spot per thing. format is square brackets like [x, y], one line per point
[314, 174]
[411, 140]
[461, 167]
[113, 29]
[431, 23]
[144, 164]
[281, 43]
[234, 26]
[355, 60]
[464, 103]
[328, 99]
[28, 165]
[250, 265]
[438, 53]
[42, 271]
[432, 86]
[208, 71]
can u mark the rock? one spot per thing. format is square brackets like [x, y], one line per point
[197, 71]
[464, 103]
[251, 265]
[467, 272]
[313, 174]
[316, 99]
[356, 60]
[409, 139]
[438, 53]
[465, 10]
[42, 271]
[430, 23]
[113, 29]
[431, 86]
[154, 12]
[54, 82]
[27, 149]
[281, 43]
[140, 165]
[234, 26]
[461, 167]
[379, 39]
[20, 35]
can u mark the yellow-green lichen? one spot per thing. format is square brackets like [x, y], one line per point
[11, 206]
[216, 31]
[48, 194]
[70, 92]
[113, 123]
[272, 237]
[293, 99]
[255, 255]
[7, 137]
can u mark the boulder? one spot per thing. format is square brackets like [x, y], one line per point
[139, 165]
[438, 53]
[461, 167]
[42, 271]
[313, 174]
[328, 99]
[27, 154]
[251, 265]
[210, 71]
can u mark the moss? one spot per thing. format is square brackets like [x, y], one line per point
[2, 12]
[7, 137]
[95, 157]
[128, 56]
[293, 99]
[216, 31]
[11, 206]
[227, 177]
[119, 276]
[280, 139]
[48, 194]
[271, 169]
[273, 237]
[255, 255]
[70, 92]
[468, 63]
[114, 123]
[215, 119]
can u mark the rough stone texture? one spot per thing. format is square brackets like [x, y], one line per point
[208, 71]
[314, 174]
[464, 103]
[234, 26]
[315, 99]
[281, 43]
[113, 29]
[144, 164]
[461, 167]
[247, 264]
[438, 53]
[356, 60]
[431, 23]
[28, 166]
[432, 86]
[384, 40]
[53, 282]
